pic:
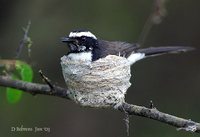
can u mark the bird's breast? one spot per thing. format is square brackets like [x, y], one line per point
[82, 56]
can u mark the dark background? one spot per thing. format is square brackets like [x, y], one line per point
[171, 81]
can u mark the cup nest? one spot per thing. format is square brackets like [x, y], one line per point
[101, 83]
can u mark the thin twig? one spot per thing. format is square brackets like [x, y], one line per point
[158, 12]
[24, 40]
[145, 31]
[47, 80]
[127, 121]
[151, 104]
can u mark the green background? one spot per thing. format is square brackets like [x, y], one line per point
[171, 81]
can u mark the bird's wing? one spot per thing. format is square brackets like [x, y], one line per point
[114, 48]
[132, 51]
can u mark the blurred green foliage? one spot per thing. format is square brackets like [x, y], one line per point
[13, 95]
[22, 71]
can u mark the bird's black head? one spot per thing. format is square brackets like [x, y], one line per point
[80, 41]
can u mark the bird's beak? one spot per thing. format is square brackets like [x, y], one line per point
[71, 43]
[67, 39]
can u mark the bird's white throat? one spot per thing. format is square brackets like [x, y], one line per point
[82, 56]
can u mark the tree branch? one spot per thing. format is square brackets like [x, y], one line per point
[152, 113]
[33, 88]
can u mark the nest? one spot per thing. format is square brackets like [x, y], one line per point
[102, 83]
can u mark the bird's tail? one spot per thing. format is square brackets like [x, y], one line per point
[155, 51]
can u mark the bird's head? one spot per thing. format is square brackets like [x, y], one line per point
[80, 41]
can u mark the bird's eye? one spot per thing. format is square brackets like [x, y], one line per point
[83, 39]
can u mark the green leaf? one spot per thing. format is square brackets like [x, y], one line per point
[23, 72]
[13, 95]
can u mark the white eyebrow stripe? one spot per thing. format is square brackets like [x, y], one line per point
[80, 34]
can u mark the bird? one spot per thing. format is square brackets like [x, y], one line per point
[85, 46]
